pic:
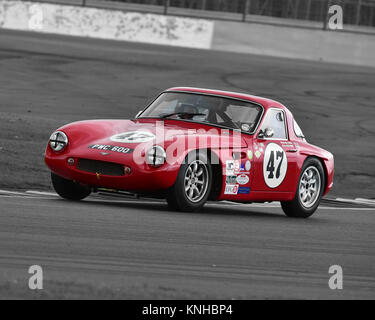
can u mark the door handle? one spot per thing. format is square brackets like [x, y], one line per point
[292, 150]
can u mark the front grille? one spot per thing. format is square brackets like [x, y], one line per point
[101, 167]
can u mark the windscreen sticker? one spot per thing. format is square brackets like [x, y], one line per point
[275, 165]
[106, 147]
[133, 137]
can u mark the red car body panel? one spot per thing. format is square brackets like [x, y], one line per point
[222, 143]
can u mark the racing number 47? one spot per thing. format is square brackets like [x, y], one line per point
[271, 164]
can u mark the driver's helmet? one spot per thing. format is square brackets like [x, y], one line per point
[187, 108]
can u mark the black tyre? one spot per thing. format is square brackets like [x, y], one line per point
[309, 191]
[193, 184]
[68, 189]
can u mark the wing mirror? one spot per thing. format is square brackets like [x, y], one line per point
[266, 133]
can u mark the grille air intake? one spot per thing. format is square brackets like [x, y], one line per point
[101, 167]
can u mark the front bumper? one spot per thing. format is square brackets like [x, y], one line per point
[142, 178]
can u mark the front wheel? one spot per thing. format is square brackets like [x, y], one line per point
[68, 189]
[193, 185]
[309, 191]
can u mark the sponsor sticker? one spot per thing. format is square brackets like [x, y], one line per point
[250, 154]
[243, 190]
[287, 144]
[231, 189]
[230, 179]
[259, 149]
[230, 167]
[106, 147]
[133, 137]
[242, 179]
[236, 166]
[248, 165]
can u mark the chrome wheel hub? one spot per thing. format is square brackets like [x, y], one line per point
[196, 181]
[309, 187]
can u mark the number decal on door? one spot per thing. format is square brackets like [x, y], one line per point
[275, 165]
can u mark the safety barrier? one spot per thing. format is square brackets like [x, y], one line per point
[106, 24]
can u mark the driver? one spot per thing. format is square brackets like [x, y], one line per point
[187, 110]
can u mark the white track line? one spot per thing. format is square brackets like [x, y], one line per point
[277, 205]
[17, 196]
[42, 193]
[6, 192]
[344, 208]
[357, 201]
[366, 201]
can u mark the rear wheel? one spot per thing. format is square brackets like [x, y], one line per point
[68, 189]
[193, 185]
[309, 191]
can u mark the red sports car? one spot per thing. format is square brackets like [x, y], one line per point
[192, 145]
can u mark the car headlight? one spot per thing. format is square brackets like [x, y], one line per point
[58, 141]
[156, 156]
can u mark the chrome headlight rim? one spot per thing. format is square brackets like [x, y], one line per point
[156, 156]
[58, 141]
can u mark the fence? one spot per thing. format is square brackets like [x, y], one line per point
[356, 12]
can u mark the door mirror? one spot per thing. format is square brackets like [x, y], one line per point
[266, 133]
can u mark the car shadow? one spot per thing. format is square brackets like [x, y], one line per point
[236, 210]
[211, 209]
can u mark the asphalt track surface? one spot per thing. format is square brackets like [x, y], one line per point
[47, 81]
[123, 248]
[111, 248]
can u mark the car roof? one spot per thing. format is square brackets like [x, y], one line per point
[265, 102]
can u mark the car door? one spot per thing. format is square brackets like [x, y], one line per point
[274, 155]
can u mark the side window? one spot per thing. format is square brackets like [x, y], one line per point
[297, 130]
[275, 119]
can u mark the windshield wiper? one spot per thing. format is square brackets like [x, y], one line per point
[181, 114]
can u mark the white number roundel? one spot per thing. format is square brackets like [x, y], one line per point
[275, 165]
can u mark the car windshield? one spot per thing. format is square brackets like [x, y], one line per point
[226, 112]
